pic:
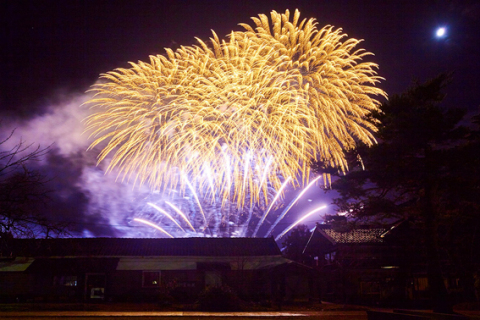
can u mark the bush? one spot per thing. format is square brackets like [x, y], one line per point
[221, 298]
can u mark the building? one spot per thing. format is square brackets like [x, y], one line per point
[374, 265]
[114, 269]
[352, 262]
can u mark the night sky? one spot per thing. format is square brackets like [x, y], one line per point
[53, 51]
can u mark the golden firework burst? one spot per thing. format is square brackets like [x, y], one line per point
[220, 111]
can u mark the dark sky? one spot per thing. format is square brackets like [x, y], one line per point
[52, 51]
[52, 46]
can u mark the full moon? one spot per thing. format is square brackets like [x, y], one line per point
[440, 32]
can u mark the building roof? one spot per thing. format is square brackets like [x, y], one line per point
[116, 247]
[325, 237]
[363, 234]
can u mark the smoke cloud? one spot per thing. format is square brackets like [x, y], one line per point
[94, 204]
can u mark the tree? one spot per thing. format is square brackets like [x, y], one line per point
[23, 194]
[461, 220]
[295, 242]
[409, 173]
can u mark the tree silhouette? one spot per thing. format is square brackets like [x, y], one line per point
[411, 171]
[23, 194]
[295, 242]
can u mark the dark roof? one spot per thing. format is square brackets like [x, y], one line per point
[115, 247]
[73, 265]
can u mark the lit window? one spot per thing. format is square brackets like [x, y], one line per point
[330, 256]
[151, 279]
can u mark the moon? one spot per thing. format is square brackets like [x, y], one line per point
[440, 33]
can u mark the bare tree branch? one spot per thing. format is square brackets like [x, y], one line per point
[24, 194]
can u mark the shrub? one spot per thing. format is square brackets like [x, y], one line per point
[220, 298]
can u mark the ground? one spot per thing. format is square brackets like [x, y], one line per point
[132, 311]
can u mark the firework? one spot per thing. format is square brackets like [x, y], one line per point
[153, 225]
[181, 214]
[298, 221]
[265, 98]
[264, 216]
[166, 214]
[292, 203]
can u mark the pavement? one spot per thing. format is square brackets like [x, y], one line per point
[91, 315]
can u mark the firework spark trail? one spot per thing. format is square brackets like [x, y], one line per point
[264, 176]
[279, 192]
[262, 180]
[245, 170]
[153, 225]
[247, 223]
[166, 214]
[209, 175]
[228, 174]
[298, 221]
[196, 198]
[282, 215]
[181, 214]
[228, 171]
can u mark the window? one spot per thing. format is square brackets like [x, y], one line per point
[151, 279]
[183, 279]
[65, 281]
[421, 284]
[330, 256]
